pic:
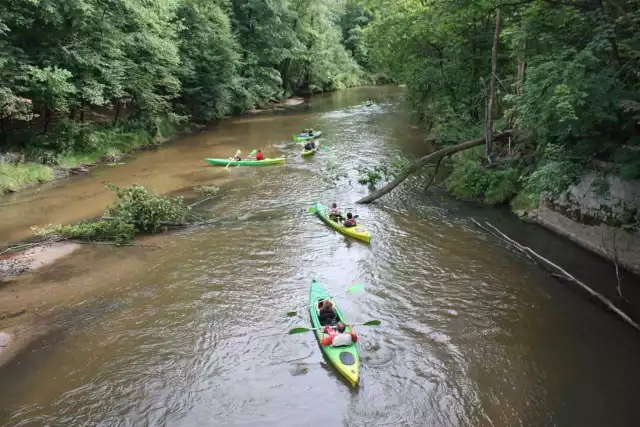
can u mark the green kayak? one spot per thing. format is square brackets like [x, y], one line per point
[249, 162]
[299, 138]
[345, 359]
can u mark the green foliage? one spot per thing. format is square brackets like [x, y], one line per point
[15, 176]
[80, 66]
[207, 191]
[209, 59]
[144, 210]
[470, 180]
[115, 231]
[629, 160]
[575, 101]
[51, 86]
[553, 178]
[135, 210]
[372, 176]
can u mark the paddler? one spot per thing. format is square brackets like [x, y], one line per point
[310, 146]
[326, 312]
[259, 155]
[334, 213]
[338, 338]
[350, 221]
[238, 156]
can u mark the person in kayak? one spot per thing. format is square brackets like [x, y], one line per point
[338, 337]
[304, 134]
[327, 314]
[350, 221]
[238, 156]
[334, 213]
[310, 146]
[259, 155]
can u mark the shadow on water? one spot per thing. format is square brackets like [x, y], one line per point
[194, 333]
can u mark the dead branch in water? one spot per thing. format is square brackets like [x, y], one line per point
[89, 242]
[163, 223]
[24, 246]
[418, 164]
[201, 201]
[562, 274]
[614, 258]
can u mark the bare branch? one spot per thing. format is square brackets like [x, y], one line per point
[563, 274]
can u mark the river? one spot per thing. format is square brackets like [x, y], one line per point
[194, 332]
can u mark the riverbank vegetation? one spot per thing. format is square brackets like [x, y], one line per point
[136, 210]
[86, 80]
[561, 77]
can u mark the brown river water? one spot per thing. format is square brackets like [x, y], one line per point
[193, 333]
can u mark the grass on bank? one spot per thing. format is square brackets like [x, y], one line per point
[15, 176]
[99, 146]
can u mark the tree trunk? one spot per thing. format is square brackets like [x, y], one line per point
[46, 119]
[615, 56]
[492, 88]
[118, 106]
[521, 67]
[418, 164]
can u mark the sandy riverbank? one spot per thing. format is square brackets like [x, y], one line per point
[59, 279]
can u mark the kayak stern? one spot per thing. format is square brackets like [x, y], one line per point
[345, 360]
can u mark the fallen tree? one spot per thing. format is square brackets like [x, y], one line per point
[436, 156]
[136, 210]
[559, 272]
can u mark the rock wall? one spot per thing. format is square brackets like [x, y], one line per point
[601, 214]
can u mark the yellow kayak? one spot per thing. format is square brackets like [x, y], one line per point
[357, 232]
[306, 153]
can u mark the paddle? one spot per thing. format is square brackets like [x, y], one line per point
[253, 153]
[312, 209]
[303, 330]
[353, 288]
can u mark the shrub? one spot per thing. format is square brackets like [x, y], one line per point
[469, 180]
[96, 231]
[144, 210]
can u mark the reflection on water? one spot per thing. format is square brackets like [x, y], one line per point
[194, 333]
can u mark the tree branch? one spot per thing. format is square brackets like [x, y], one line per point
[418, 164]
[435, 173]
[563, 274]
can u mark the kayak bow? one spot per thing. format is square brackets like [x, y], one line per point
[345, 359]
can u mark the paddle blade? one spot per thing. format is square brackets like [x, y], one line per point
[299, 331]
[292, 313]
[372, 323]
[253, 153]
[312, 209]
[355, 288]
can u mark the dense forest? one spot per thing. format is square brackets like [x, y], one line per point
[562, 76]
[566, 80]
[81, 76]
